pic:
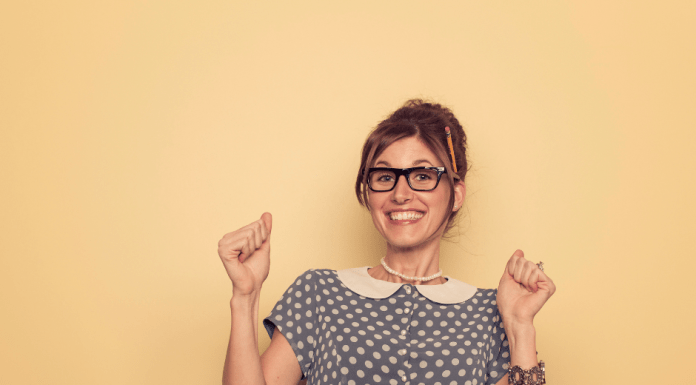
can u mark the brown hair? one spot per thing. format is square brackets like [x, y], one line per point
[425, 121]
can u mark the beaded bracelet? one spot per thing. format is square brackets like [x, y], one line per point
[526, 377]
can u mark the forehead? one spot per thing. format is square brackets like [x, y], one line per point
[407, 152]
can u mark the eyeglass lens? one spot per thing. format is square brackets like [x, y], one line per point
[384, 180]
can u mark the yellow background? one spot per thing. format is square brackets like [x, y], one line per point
[135, 134]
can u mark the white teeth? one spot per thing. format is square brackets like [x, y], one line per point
[405, 216]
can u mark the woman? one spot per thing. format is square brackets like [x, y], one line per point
[400, 322]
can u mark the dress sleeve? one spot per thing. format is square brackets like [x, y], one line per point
[499, 359]
[294, 315]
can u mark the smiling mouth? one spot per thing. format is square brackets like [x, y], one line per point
[405, 216]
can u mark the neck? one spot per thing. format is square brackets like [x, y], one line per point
[412, 262]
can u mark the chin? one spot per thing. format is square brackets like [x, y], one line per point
[406, 243]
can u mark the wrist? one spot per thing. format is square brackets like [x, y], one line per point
[519, 332]
[244, 300]
[522, 340]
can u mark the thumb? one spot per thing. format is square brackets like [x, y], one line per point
[267, 219]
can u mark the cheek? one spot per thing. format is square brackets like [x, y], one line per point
[442, 202]
[375, 201]
[378, 221]
[374, 206]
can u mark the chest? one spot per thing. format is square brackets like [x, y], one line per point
[401, 339]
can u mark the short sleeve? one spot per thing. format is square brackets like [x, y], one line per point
[499, 358]
[294, 315]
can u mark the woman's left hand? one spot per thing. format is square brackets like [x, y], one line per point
[523, 290]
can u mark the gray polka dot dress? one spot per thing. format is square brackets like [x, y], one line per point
[346, 327]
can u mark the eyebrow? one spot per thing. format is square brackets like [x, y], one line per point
[415, 163]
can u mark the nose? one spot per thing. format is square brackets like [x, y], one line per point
[402, 192]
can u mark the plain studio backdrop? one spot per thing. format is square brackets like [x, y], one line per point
[135, 134]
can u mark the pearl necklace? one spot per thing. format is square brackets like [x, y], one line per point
[396, 273]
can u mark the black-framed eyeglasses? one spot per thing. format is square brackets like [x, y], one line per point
[382, 179]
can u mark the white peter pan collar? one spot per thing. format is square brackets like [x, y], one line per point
[359, 281]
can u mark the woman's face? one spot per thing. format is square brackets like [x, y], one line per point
[407, 218]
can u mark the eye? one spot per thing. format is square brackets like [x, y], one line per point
[423, 175]
[385, 177]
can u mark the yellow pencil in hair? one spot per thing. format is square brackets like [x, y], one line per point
[451, 147]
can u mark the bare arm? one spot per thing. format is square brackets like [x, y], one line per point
[522, 292]
[245, 253]
[522, 341]
[278, 364]
[242, 364]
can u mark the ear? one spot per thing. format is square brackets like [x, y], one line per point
[459, 194]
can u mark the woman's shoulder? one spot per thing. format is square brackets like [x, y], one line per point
[485, 297]
[483, 303]
[316, 274]
[314, 277]
[486, 292]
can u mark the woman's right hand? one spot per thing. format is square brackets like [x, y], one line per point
[245, 253]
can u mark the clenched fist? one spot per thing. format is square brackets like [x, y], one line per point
[245, 253]
[523, 290]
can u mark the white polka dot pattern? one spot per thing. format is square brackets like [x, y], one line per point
[340, 337]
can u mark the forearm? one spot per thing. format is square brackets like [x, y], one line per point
[522, 340]
[243, 364]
